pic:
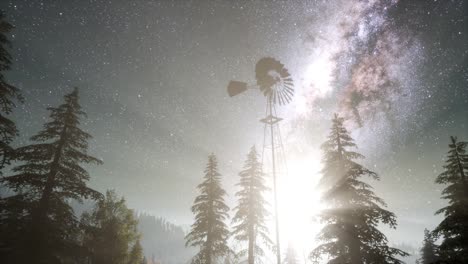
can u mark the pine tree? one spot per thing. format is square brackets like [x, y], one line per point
[209, 232]
[111, 234]
[350, 234]
[428, 251]
[251, 214]
[49, 176]
[454, 227]
[8, 96]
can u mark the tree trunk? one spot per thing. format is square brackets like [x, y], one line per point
[459, 164]
[251, 258]
[46, 193]
[353, 244]
[39, 215]
[209, 250]
[460, 167]
[355, 251]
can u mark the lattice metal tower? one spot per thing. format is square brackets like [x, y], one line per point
[276, 84]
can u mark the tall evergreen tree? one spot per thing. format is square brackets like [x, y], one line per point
[251, 213]
[111, 235]
[454, 227]
[429, 249]
[49, 177]
[350, 234]
[8, 96]
[210, 232]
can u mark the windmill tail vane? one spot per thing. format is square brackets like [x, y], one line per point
[273, 80]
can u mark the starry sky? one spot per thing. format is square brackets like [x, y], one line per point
[153, 77]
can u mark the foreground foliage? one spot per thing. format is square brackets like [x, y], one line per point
[111, 234]
[9, 95]
[38, 218]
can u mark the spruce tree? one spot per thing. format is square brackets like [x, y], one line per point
[210, 232]
[454, 228]
[250, 216]
[8, 96]
[428, 251]
[49, 176]
[350, 234]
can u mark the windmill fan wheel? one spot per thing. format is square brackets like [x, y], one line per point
[274, 80]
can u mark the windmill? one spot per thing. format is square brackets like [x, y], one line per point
[276, 84]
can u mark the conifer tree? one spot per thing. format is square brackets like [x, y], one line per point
[8, 96]
[454, 228]
[49, 176]
[250, 213]
[111, 235]
[428, 251]
[209, 232]
[350, 234]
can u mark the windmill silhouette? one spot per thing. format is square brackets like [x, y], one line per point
[276, 84]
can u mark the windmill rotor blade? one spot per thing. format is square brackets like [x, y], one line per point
[288, 97]
[289, 91]
[280, 98]
[274, 80]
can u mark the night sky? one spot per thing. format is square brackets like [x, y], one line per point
[153, 77]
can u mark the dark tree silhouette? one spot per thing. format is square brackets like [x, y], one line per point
[50, 175]
[8, 96]
[111, 234]
[210, 232]
[350, 234]
[454, 227]
[429, 249]
[250, 216]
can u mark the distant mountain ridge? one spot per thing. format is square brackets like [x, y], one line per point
[162, 241]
